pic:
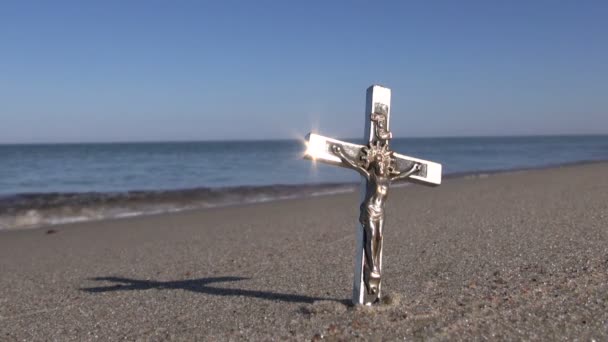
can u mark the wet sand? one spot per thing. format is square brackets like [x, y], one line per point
[521, 255]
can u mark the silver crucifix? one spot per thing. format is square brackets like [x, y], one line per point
[378, 166]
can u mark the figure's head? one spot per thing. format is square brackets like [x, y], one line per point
[377, 157]
[380, 164]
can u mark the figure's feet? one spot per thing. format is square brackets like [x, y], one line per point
[372, 281]
[374, 285]
[375, 273]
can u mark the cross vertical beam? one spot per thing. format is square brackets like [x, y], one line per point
[378, 98]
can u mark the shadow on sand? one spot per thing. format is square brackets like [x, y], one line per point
[200, 286]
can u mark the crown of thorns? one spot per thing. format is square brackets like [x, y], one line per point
[378, 152]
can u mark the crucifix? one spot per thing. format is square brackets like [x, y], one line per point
[378, 167]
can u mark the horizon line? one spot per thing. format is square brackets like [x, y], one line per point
[293, 139]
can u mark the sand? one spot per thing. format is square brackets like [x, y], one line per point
[520, 255]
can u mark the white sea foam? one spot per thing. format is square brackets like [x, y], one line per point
[57, 209]
[37, 210]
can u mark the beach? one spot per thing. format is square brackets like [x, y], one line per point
[514, 255]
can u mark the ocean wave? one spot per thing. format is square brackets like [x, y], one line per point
[34, 210]
[43, 209]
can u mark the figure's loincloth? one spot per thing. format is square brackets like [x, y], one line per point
[370, 213]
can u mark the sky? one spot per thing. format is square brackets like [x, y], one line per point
[103, 71]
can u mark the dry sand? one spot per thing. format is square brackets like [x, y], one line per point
[521, 255]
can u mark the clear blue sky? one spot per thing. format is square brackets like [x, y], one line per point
[196, 70]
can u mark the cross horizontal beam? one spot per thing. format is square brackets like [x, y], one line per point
[318, 149]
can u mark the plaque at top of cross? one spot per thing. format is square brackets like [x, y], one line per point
[378, 166]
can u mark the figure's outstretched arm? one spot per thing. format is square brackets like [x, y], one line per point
[407, 173]
[337, 150]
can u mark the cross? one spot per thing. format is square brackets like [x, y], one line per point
[378, 166]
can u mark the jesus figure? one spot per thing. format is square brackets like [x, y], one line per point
[374, 163]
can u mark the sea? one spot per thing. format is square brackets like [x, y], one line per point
[46, 184]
